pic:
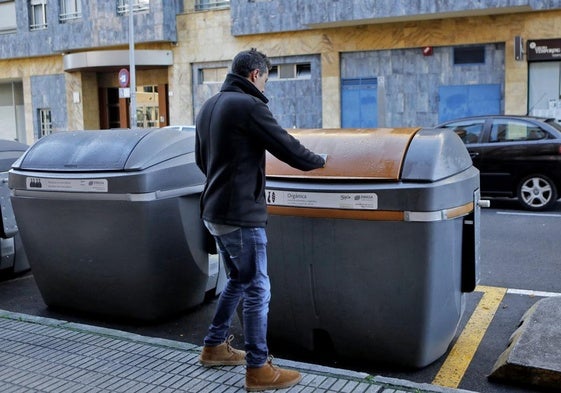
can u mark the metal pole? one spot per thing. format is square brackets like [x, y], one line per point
[132, 108]
[15, 107]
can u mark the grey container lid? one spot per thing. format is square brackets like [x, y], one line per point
[105, 150]
[125, 161]
[9, 152]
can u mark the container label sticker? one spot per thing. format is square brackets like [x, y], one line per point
[334, 200]
[71, 185]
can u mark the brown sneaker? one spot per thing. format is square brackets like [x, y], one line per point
[222, 355]
[270, 377]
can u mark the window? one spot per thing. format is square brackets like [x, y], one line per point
[512, 130]
[291, 71]
[147, 116]
[469, 55]
[303, 71]
[535, 133]
[468, 131]
[45, 122]
[203, 5]
[286, 71]
[70, 9]
[37, 14]
[213, 75]
[8, 17]
[149, 89]
[137, 6]
[147, 110]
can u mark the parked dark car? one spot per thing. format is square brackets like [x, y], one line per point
[517, 156]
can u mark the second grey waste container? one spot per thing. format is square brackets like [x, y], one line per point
[110, 221]
[376, 249]
[12, 254]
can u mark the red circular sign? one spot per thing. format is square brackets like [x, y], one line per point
[124, 77]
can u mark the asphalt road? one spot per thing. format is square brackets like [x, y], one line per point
[518, 259]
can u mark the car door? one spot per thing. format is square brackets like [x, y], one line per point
[508, 154]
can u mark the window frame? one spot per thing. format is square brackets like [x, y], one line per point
[465, 55]
[468, 127]
[212, 75]
[45, 120]
[70, 10]
[137, 6]
[525, 128]
[8, 8]
[290, 71]
[41, 7]
[205, 5]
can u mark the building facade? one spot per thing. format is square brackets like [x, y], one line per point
[337, 63]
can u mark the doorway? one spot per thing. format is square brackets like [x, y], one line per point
[151, 107]
[359, 103]
[544, 89]
[12, 111]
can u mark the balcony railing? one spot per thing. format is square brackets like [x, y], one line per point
[204, 5]
[137, 6]
[63, 17]
[38, 26]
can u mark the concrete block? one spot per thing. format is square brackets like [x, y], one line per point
[533, 355]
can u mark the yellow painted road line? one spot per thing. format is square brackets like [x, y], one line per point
[454, 367]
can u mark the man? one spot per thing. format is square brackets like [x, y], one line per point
[234, 129]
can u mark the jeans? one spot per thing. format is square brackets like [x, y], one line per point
[244, 253]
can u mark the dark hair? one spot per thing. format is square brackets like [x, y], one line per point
[250, 60]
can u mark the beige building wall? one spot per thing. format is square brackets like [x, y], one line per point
[23, 69]
[205, 37]
[90, 103]
[74, 99]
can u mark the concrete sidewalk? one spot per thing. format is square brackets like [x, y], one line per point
[47, 355]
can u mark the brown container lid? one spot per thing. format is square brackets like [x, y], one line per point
[352, 153]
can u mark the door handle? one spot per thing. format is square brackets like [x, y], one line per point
[473, 154]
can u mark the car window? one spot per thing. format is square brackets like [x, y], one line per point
[468, 131]
[505, 130]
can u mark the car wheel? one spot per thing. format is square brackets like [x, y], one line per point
[537, 192]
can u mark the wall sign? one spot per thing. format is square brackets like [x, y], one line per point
[70, 185]
[544, 50]
[333, 200]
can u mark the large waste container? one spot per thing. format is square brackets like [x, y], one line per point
[110, 221]
[374, 252]
[12, 254]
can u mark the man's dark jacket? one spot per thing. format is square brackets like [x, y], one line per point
[234, 129]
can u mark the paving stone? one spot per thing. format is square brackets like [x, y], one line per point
[44, 355]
